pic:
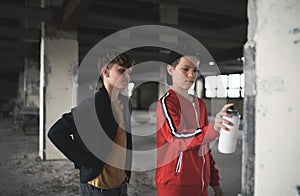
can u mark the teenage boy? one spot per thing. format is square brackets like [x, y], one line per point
[106, 176]
[185, 165]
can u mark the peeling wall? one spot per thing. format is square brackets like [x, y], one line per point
[277, 40]
[61, 58]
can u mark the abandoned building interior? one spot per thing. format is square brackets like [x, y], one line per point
[250, 57]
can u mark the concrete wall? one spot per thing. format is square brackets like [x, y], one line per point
[275, 31]
[60, 60]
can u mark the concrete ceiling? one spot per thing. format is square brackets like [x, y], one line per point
[219, 25]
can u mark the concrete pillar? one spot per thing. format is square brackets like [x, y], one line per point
[31, 83]
[168, 15]
[21, 86]
[199, 87]
[272, 51]
[59, 60]
[162, 85]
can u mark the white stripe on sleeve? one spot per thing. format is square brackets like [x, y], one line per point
[171, 124]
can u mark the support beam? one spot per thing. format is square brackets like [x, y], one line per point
[59, 59]
[72, 10]
[126, 22]
[25, 13]
[271, 155]
[226, 8]
[30, 35]
[17, 48]
[248, 159]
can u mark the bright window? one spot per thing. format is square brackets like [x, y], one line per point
[222, 86]
[210, 86]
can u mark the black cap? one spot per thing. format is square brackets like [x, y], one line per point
[173, 56]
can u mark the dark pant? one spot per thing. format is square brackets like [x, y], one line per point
[89, 190]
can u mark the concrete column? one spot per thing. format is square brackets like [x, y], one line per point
[59, 60]
[162, 85]
[21, 92]
[274, 33]
[31, 81]
[199, 87]
[168, 15]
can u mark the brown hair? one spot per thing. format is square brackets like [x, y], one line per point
[111, 58]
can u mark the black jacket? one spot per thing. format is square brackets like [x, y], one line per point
[73, 134]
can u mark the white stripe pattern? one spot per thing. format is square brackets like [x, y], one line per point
[203, 157]
[171, 125]
[178, 166]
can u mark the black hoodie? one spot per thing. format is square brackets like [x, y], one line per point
[75, 141]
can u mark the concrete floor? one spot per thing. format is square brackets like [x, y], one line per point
[23, 173]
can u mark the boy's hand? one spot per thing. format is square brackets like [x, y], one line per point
[219, 118]
[218, 191]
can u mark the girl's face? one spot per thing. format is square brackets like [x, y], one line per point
[185, 72]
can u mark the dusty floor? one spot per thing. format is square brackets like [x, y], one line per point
[23, 173]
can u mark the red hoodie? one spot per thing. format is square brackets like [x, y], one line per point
[185, 165]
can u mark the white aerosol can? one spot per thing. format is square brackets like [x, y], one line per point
[228, 139]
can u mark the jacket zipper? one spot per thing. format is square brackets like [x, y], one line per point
[179, 163]
[203, 169]
[197, 120]
[198, 124]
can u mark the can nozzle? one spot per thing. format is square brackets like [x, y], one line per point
[232, 111]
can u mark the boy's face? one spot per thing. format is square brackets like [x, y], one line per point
[117, 76]
[185, 72]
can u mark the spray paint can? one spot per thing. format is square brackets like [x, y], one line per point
[228, 139]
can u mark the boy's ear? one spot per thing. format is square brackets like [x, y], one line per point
[105, 72]
[170, 69]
